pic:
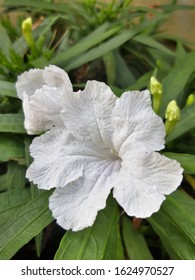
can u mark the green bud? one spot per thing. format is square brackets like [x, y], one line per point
[27, 32]
[172, 116]
[155, 86]
[190, 100]
[156, 91]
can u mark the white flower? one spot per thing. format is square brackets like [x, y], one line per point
[106, 143]
[42, 92]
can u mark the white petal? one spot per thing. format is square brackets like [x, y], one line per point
[48, 102]
[29, 81]
[87, 113]
[43, 93]
[143, 181]
[135, 123]
[34, 122]
[59, 158]
[76, 205]
[34, 79]
[56, 77]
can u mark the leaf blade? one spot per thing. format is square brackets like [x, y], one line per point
[96, 242]
[27, 223]
[134, 241]
[175, 224]
[13, 123]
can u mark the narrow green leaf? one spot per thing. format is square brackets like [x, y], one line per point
[110, 67]
[101, 50]
[5, 42]
[7, 89]
[186, 123]
[11, 148]
[34, 192]
[180, 52]
[150, 42]
[187, 161]
[3, 183]
[14, 178]
[175, 81]
[135, 244]
[123, 73]
[98, 242]
[11, 201]
[97, 36]
[172, 8]
[40, 62]
[141, 83]
[24, 225]
[13, 123]
[175, 224]
[16, 175]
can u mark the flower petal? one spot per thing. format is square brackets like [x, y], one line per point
[135, 123]
[34, 122]
[87, 113]
[48, 102]
[34, 79]
[59, 158]
[76, 205]
[143, 181]
[43, 92]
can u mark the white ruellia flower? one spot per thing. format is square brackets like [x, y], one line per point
[105, 143]
[42, 92]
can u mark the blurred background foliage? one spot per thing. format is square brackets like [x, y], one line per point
[123, 44]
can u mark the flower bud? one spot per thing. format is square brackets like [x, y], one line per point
[156, 91]
[190, 100]
[27, 31]
[172, 116]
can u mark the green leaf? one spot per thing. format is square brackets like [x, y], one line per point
[13, 123]
[5, 42]
[102, 49]
[150, 42]
[34, 192]
[180, 52]
[134, 241]
[176, 80]
[7, 89]
[175, 224]
[186, 123]
[111, 44]
[110, 67]
[98, 242]
[141, 83]
[11, 201]
[124, 76]
[11, 148]
[24, 225]
[94, 38]
[40, 62]
[187, 161]
[14, 178]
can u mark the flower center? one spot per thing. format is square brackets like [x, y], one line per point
[115, 155]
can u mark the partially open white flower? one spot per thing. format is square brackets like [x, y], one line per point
[106, 143]
[42, 92]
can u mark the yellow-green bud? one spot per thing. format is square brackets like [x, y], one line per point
[172, 116]
[155, 86]
[190, 100]
[27, 31]
[156, 90]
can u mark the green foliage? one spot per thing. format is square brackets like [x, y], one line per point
[27, 222]
[174, 223]
[99, 242]
[134, 241]
[121, 45]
